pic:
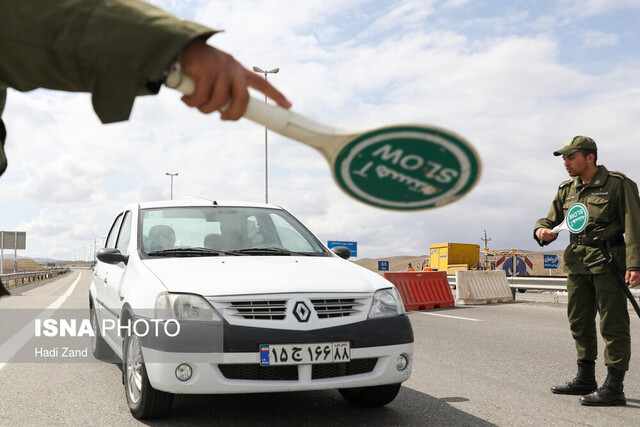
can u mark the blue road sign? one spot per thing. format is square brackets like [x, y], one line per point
[551, 261]
[383, 265]
[352, 246]
[521, 266]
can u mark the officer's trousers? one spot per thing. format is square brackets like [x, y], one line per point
[599, 293]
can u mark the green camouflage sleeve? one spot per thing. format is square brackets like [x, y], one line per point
[630, 217]
[554, 217]
[115, 49]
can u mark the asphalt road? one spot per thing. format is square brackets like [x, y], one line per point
[473, 366]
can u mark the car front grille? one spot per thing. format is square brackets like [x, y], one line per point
[344, 369]
[261, 373]
[278, 308]
[260, 310]
[290, 372]
[327, 308]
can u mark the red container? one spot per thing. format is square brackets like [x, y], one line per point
[421, 290]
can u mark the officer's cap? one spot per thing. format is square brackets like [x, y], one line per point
[577, 143]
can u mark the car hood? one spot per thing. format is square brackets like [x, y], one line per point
[250, 275]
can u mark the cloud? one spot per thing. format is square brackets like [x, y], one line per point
[598, 39]
[455, 3]
[597, 7]
[503, 81]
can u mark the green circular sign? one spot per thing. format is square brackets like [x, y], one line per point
[408, 167]
[576, 218]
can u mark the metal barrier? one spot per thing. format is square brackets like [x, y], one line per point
[22, 278]
[541, 283]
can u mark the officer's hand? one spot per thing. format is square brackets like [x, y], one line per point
[219, 79]
[545, 234]
[632, 277]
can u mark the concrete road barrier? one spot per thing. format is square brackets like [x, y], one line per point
[482, 287]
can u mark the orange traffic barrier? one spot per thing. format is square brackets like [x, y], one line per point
[422, 289]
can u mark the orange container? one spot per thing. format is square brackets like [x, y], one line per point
[422, 290]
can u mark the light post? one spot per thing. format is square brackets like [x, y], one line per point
[266, 151]
[171, 175]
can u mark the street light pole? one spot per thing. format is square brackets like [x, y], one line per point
[171, 175]
[266, 150]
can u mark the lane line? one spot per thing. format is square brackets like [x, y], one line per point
[16, 342]
[450, 317]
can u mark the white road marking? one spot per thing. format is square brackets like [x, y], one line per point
[451, 317]
[16, 342]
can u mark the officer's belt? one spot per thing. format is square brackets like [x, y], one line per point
[576, 239]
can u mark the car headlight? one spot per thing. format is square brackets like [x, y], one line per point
[185, 307]
[386, 303]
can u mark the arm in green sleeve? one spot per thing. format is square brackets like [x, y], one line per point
[554, 217]
[630, 217]
[115, 49]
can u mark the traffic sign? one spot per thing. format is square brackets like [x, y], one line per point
[407, 167]
[352, 246]
[383, 265]
[13, 240]
[520, 268]
[551, 261]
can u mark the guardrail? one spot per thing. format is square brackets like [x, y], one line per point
[535, 283]
[12, 280]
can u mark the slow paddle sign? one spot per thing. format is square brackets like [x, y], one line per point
[401, 167]
[407, 167]
[575, 220]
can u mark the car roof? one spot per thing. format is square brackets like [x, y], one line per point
[198, 203]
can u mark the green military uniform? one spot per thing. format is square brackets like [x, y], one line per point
[613, 206]
[116, 50]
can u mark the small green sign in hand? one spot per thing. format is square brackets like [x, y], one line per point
[575, 220]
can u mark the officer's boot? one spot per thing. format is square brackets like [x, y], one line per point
[583, 383]
[611, 392]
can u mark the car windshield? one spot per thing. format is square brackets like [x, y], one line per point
[224, 231]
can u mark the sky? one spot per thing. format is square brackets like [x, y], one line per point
[516, 78]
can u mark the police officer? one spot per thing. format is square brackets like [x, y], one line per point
[116, 50]
[613, 207]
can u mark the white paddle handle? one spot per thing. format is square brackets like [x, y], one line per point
[275, 118]
[558, 228]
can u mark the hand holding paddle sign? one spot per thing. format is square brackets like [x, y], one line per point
[575, 220]
[402, 167]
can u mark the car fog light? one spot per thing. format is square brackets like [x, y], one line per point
[184, 372]
[402, 362]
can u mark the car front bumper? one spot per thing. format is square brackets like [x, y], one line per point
[242, 373]
[227, 359]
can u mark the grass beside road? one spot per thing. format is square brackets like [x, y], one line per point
[23, 265]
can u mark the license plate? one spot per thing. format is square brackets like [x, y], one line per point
[297, 354]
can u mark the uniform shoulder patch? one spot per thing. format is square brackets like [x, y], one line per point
[618, 174]
[565, 183]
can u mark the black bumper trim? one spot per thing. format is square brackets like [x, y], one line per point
[212, 337]
[369, 333]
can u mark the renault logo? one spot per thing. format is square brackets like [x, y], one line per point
[301, 311]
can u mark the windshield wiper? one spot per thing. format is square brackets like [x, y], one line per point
[265, 251]
[186, 252]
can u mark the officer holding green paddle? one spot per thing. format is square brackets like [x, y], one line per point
[613, 212]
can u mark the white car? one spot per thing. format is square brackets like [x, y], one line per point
[213, 297]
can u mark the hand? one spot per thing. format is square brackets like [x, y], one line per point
[545, 234]
[220, 79]
[632, 277]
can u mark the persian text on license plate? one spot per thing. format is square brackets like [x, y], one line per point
[296, 354]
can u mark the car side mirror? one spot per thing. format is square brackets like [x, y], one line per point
[111, 256]
[342, 252]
